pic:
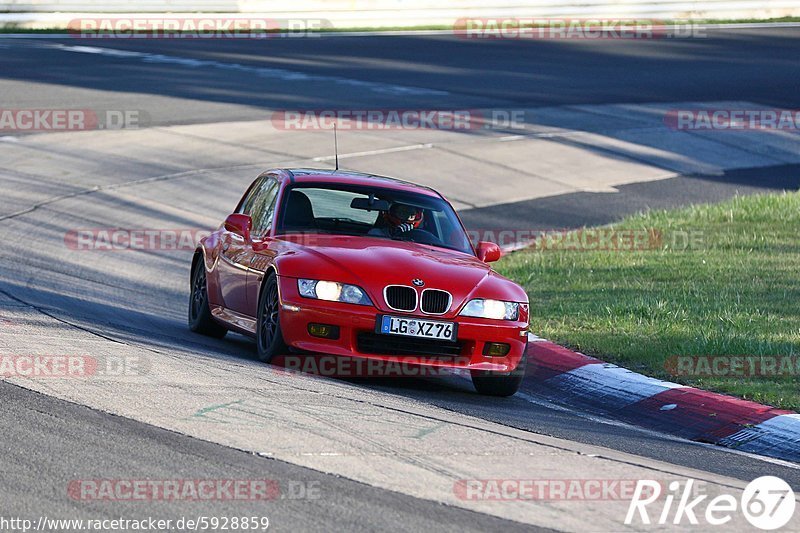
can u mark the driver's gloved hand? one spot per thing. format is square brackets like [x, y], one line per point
[404, 228]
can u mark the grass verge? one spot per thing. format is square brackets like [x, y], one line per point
[734, 290]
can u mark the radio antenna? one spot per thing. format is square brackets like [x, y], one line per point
[336, 145]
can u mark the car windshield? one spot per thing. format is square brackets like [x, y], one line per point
[397, 215]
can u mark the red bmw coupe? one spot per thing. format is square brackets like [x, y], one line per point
[357, 265]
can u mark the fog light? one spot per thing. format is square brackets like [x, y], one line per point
[496, 349]
[325, 331]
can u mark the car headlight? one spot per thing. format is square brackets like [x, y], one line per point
[494, 309]
[332, 291]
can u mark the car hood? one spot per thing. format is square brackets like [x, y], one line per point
[373, 263]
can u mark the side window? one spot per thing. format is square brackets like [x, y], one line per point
[263, 207]
[247, 203]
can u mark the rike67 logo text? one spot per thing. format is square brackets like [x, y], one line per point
[768, 503]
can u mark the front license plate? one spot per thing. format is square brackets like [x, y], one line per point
[415, 327]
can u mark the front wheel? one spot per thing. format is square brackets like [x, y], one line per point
[500, 384]
[269, 338]
[200, 320]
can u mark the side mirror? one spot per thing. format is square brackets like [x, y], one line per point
[240, 225]
[488, 251]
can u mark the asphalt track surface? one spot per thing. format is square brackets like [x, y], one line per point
[58, 430]
[60, 438]
[753, 65]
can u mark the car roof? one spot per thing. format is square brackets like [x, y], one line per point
[351, 177]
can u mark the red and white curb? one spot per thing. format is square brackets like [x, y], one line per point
[596, 386]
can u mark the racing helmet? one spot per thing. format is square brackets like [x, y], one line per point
[400, 214]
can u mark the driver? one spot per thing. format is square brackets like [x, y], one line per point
[401, 218]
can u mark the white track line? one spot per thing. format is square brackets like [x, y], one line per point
[279, 74]
[406, 148]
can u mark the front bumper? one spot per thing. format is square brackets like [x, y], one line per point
[356, 322]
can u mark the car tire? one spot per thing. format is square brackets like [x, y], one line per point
[268, 333]
[200, 319]
[500, 383]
